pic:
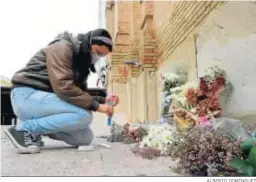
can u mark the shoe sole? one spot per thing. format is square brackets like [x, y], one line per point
[21, 149]
[86, 148]
[40, 145]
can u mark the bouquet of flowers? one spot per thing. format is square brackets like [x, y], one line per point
[197, 103]
[204, 151]
[159, 137]
[133, 134]
[179, 95]
[170, 80]
[212, 73]
[206, 97]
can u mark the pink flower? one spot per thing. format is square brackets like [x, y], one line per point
[203, 120]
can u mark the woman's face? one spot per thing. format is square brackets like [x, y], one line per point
[101, 51]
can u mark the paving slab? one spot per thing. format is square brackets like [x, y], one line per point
[59, 159]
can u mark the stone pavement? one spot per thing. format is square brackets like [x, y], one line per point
[59, 159]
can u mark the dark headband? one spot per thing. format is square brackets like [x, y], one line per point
[103, 39]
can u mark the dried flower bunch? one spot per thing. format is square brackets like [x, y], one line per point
[206, 152]
[147, 152]
[206, 97]
[133, 135]
[116, 133]
[127, 133]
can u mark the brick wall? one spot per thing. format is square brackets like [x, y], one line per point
[159, 17]
[121, 37]
[110, 17]
[183, 18]
[151, 31]
[136, 36]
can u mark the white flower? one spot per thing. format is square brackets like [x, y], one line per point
[212, 72]
[167, 140]
[153, 143]
[193, 110]
[150, 137]
[152, 129]
[170, 77]
[176, 89]
[144, 143]
[159, 137]
[190, 85]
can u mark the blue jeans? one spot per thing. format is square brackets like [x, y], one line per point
[43, 113]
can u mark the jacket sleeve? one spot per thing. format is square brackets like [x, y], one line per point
[59, 66]
[99, 99]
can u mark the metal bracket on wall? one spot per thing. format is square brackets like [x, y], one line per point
[132, 62]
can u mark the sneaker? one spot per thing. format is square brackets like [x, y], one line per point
[89, 147]
[38, 141]
[22, 140]
[86, 147]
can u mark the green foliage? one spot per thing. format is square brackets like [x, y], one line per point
[252, 157]
[248, 144]
[246, 167]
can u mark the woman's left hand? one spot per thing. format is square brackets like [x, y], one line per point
[113, 98]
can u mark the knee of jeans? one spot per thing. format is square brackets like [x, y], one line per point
[82, 137]
[87, 118]
[88, 137]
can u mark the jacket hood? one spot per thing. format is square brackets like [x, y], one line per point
[69, 37]
[80, 41]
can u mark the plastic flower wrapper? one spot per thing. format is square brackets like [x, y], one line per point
[176, 77]
[165, 103]
[163, 120]
[170, 80]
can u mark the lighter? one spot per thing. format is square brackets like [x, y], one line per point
[109, 117]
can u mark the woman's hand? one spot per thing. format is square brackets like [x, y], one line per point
[113, 98]
[106, 108]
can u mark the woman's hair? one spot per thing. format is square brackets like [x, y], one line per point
[101, 37]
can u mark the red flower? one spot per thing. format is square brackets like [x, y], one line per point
[191, 96]
[203, 85]
[217, 84]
